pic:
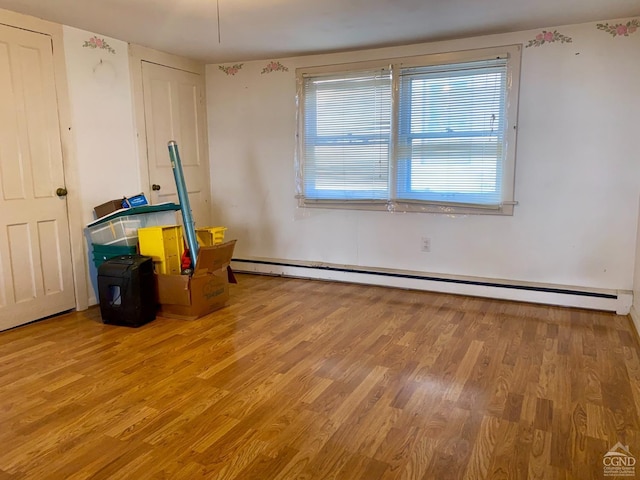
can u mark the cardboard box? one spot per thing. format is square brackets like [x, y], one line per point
[190, 297]
[107, 208]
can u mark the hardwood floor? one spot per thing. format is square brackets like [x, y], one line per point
[299, 379]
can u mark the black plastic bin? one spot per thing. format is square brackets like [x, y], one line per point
[127, 290]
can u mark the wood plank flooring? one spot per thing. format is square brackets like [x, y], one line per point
[299, 379]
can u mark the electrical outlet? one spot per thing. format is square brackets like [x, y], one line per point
[425, 244]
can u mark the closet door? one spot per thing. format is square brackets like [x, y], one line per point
[174, 110]
[35, 253]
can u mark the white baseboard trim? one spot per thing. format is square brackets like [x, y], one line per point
[635, 319]
[618, 301]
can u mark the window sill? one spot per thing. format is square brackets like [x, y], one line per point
[409, 207]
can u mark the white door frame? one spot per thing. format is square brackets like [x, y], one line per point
[137, 55]
[69, 159]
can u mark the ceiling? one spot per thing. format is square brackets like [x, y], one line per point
[264, 29]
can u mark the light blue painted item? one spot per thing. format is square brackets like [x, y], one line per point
[185, 208]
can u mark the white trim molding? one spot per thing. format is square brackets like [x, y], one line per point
[635, 319]
[618, 301]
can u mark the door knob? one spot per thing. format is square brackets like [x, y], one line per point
[155, 187]
[61, 192]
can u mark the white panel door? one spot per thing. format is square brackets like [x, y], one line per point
[174, 110]
[35, 253]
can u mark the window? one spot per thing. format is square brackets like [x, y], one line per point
[433, 133]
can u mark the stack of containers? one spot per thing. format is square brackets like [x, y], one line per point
[117, 234]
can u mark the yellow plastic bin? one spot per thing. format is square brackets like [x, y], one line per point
[209, 236]
[165, 245]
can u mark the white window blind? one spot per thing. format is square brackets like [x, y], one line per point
[451, 132]
[416, 134]
[347, 136]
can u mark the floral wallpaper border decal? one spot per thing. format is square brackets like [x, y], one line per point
[231, 70]
[548, 37]
[620, 29]
[95, 42]
[274, 67]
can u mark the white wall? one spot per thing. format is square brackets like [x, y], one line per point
[100, 91]
[577, 172]
[102, 119]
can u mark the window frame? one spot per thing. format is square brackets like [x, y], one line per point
[513, 54]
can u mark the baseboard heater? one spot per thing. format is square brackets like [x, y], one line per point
[598, 299]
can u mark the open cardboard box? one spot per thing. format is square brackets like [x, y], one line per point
[190, 297]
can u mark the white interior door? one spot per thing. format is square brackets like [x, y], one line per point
[35, 254]
[174, 110]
